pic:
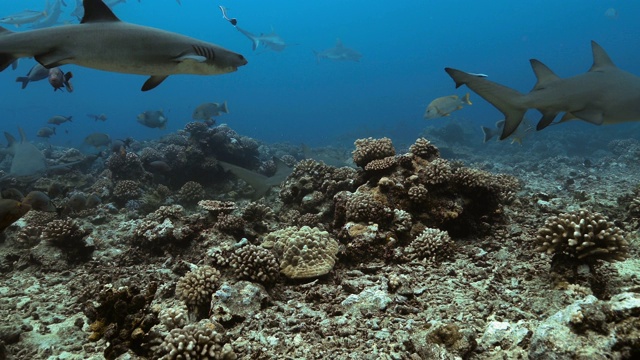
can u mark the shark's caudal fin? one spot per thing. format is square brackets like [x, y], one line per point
[254, 39]
[6, 59]
[505, 99]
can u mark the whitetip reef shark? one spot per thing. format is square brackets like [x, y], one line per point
[260, 183]
[101, 41]
[603, 95]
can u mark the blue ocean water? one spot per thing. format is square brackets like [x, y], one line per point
[290, 97]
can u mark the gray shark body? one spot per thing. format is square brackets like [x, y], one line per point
[271, 41]
[603, 95]
[104, 42]
[260, 183]
[338, 53]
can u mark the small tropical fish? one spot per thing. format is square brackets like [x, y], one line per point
[524, 129]
[11, 211]
[153, 119]
[12, 193]
[208, 110]
[46, 132]
[37, 73]
[98, 140]
[444, 106]
[58, 79]
[158, 166]
[101, 117]
[59, 119]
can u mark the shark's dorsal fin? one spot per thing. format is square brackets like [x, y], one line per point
[601, 59]
[544, 75]
[10, 139]
[97, 11]
[23, 136]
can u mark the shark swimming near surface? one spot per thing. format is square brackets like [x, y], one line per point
[260, 183]
[271, 41]
[603, 95]
[101, 41]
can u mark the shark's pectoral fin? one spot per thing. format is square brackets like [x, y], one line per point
[592, 116]
[53, 58]
[567, 117]
[153, 81]
[6, 60]
[191, 57]
[546, 120]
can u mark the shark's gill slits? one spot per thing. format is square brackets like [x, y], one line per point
[209, 53]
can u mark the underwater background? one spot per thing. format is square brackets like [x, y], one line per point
[290, 97]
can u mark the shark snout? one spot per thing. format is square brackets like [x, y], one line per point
[240, 60]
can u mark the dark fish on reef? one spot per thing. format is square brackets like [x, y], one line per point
[338, 53]
[99, 117]
[37, 73]
[11, 211]
[208, 110]
[120, 146]
[46, 132]
[38, 201]
[444, 106]
[104, 42]
[59, 80]
[12, 193]
[524, 130]
[98, 140]
[23, 17]
[603, 95]
[59, 119]
[158, 166]
[153, 119]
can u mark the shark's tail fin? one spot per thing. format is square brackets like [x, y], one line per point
[507, 100]
[5, 58]
[24, 80]
[488, 134]
[317, 56]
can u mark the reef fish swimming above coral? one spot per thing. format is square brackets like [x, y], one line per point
[603, 95]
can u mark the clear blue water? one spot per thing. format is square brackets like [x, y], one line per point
[288, 96]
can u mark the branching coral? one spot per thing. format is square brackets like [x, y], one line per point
[255, 263]
[195, 341]
[583, 235]
[196, 287]
[370, 149]
[431, 244]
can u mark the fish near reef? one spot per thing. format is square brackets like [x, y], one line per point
[11, 211]
[444, 106]
[59, 119]
[153, 119]
[37, 73]
[59, 80]
[208, 110]
[103, 42]
[98, 117]
[524, 130]
[46, 132]
[603, 95]
[98, 140]
[38, 200]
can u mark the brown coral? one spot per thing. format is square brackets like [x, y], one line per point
[430, 244]
[63, 232]
[196, 287]
[191, 192]
[372, 149]
[381, 164]
[424, 149]
[255, 263]
[304, 252]
[195, 341]
[126, 190]
[583, 235]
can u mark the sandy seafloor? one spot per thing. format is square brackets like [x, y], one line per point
[494, 297]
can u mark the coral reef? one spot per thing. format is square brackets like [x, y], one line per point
[254, 263]
[303, 252]
[195, 341]
[196, 287]
[583, 235]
